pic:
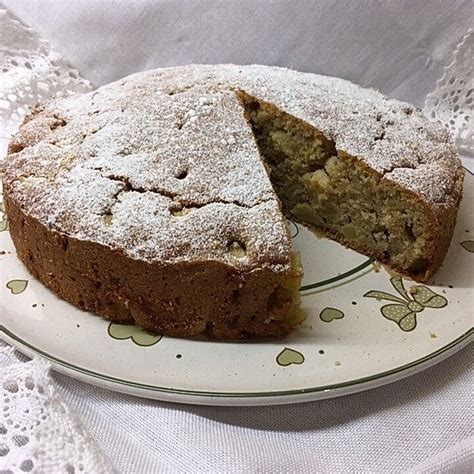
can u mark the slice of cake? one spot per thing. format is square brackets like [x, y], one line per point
[156, 199]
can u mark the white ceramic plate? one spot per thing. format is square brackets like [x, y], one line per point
[364, 329]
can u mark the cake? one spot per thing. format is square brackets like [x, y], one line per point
[160, 199]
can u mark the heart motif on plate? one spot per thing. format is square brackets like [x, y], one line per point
[17, 286]
[289, 356]
[329, 314]
[135, 333]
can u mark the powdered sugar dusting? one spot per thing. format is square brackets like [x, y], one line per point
[114, 165]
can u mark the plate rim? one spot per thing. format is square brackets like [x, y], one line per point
[202, 397]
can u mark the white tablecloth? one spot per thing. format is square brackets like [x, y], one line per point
[421, 424]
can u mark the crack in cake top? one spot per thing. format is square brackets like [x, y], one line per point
[119, 165]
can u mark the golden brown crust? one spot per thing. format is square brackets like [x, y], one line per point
[183, 300]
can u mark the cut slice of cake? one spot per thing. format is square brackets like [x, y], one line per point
[337, 193]
[149, 200]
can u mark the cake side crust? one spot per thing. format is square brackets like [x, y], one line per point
[200, 298]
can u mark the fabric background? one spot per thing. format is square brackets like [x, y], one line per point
[397, 46]
[421, 424]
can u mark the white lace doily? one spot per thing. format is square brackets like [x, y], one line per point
[452, 101]
[31, 71]
[38, 433]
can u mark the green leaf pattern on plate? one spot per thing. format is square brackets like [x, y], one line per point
[405, 311]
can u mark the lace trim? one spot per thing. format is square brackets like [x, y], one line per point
[452, 101]
[31, 72]
[38, 432]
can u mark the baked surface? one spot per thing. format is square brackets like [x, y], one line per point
[148, 199]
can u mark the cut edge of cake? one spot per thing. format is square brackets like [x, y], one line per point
[340, 196]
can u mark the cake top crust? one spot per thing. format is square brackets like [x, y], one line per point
[164, 166]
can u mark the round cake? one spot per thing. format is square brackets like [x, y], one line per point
[160, 199]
